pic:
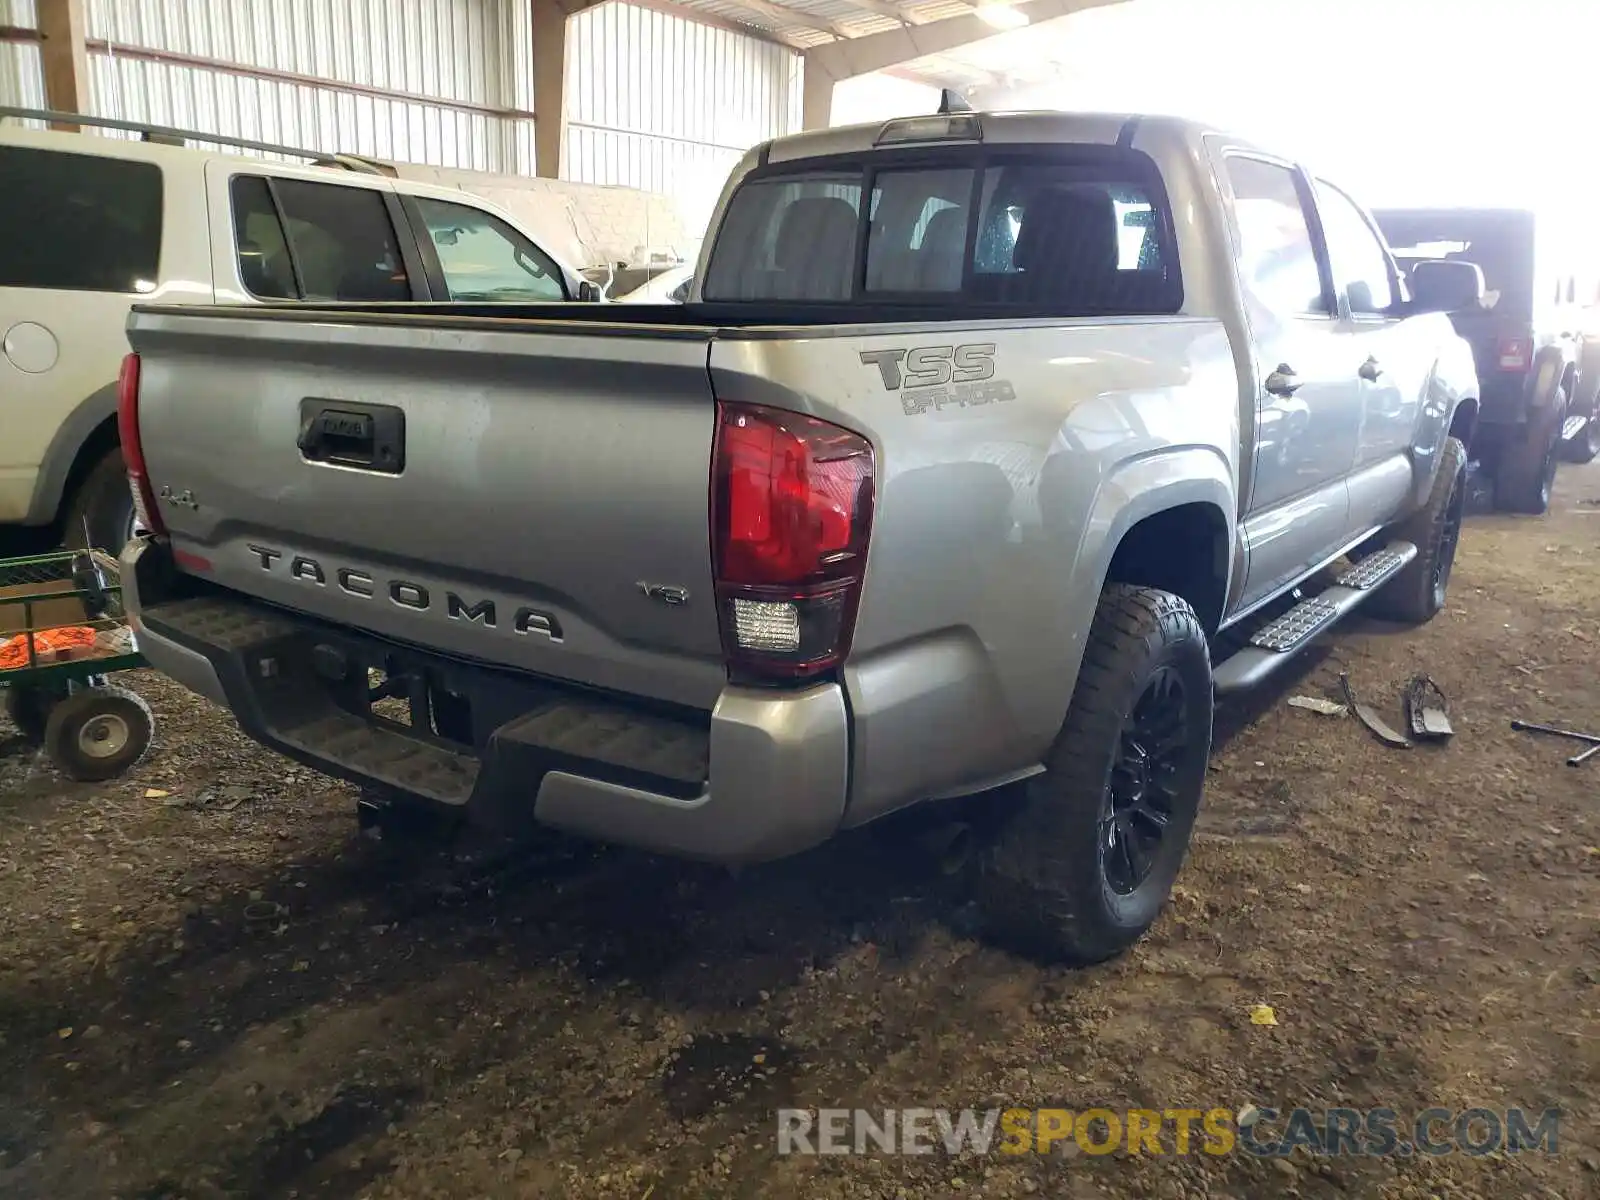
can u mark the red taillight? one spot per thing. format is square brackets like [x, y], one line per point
[1514, 352]
[144, 499]
[791, 510]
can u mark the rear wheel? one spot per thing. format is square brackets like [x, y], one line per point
[1084, 867]
[1418, 591]
[101, 511]
[1527, 472]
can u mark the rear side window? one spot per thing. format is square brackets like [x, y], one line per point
[298, 240]
[78, 222]
[788, 239]
[1069, 238]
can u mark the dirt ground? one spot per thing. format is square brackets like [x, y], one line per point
[225, 990]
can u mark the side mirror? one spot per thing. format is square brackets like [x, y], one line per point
[588, 292]
[1446, 286]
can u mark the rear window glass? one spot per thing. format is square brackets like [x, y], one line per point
[1500, 243]
[78, 222]
[1069, 238]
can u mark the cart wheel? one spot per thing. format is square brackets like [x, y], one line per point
[28, 706]
[98, 733]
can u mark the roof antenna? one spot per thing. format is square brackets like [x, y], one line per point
[952, 101]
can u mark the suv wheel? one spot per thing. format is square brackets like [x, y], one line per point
[101, 513]
[1418, 591]
[1527, 473]
[1586, 446]
[1084, 867]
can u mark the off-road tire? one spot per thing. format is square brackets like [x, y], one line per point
[100, 514]
[1041, 884]
[1527, 471]
[1418, 591]
[69, 732]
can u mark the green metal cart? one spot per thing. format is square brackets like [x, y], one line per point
[63, 631]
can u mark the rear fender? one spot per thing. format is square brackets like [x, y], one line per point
[1136, 490]
[50, 485]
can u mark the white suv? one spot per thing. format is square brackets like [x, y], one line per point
[91, 225]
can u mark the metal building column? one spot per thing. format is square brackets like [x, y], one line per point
[64, 55]
[549, 86]
[816, 95]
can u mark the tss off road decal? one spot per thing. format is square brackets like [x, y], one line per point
[937, 377]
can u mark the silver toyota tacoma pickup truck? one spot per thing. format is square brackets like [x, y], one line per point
[987, 449]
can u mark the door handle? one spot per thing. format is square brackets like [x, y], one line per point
[1370, 370]
[1283, 381]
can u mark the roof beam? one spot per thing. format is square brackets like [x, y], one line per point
[694, 15]
[792, 17]
[860, 56]
[885, 8]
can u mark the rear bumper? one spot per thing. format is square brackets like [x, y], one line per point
[765, 775]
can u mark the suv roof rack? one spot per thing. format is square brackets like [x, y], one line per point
[168, 135]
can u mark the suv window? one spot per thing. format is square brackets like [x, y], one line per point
[483, 258]
[1360, 266]
[78, 221]
[299, 240]
[1277, 259]
[1073, 238]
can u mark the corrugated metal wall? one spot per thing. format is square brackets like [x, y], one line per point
[465, 66]
[441, 50]
[658, 102]
[653, 101]
[21, 78]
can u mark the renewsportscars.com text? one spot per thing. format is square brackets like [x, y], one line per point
[1264, 1132]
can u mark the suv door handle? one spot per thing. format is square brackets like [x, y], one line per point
[1370, 370]
[1283, 381]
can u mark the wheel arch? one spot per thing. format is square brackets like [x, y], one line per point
[1183, 550]
[89, 431]
[1169, 525]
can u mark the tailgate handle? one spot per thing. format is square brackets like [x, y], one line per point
[371, 437]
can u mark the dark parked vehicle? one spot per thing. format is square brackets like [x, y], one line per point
[1526, 337]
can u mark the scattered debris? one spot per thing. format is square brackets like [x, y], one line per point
[1371, 719]
[1427, 710]
[1262, 1014]
[1328, 708]
[1577, 760]
[156, 793]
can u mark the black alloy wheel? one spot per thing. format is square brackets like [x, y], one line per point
[1141, 799]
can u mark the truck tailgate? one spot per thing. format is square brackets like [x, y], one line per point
[543, 503]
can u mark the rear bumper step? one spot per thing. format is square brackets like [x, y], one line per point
[1275, 645]
[764, 775]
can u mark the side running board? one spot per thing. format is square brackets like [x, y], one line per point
[1276, 644]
